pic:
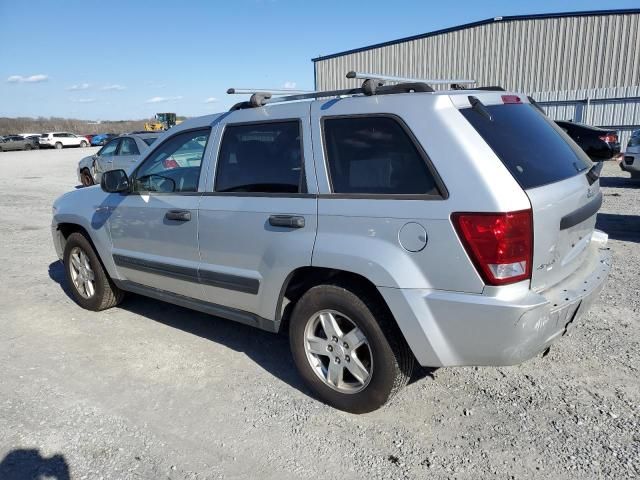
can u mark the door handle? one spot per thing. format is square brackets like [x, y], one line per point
[288, 221]
[178, 215]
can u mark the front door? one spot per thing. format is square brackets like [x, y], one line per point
[103, 159]
[258, 216]
[155, 227]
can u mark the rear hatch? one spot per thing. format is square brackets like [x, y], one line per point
[553, 171]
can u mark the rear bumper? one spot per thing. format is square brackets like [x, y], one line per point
[633, 166]
[507, 328]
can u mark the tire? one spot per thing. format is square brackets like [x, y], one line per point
[86, 178]
[58, 146]
[83, 144]
[104, 293]
[27, 147]
[385, 356]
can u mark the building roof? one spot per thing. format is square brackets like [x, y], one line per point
[510, 18]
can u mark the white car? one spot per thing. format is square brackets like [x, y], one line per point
[62, 139]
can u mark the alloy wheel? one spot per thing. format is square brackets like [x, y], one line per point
[81, 273]
[338, 351]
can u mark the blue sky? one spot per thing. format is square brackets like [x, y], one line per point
[122, 59]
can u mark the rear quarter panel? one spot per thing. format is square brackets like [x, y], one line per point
[362, 234]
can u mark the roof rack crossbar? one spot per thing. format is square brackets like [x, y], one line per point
[272, 91]
[391, 78]
[372, 85]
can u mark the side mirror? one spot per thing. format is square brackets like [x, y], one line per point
[114, 181]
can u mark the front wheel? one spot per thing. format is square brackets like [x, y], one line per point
[348, 349]
[27, 147]
[90, 285]
[58, 146]
[86, 178]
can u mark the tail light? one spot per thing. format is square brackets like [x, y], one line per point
[169, 163]
[609, 138]
[511, 99]
[499, 244]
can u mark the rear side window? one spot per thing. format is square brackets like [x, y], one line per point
[261, 158]
[533, 148]
[128, 147]
[375, 155]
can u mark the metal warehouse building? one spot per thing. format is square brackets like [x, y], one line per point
[581, 66]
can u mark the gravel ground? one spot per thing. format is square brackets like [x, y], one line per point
[150, 390]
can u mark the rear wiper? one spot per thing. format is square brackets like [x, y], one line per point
[594, 173]
[479, 107]
[536, 105]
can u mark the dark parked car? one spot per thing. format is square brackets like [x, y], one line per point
[599, 143]
[16, 142]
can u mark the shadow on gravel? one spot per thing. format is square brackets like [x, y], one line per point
[270, 351]
[620, 227]
[56, 273]
[619, 182]
[28, 464]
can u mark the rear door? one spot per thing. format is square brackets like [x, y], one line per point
[552, 170]
[258, 215]
[127, 155]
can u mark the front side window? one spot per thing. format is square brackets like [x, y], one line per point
[261, 158]
[109, 150]
[128, 147]
[174, 166]
[375, 155]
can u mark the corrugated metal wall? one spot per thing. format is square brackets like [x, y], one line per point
[529, 55]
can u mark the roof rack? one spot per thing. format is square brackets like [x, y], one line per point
[374, 84]
[391, 78]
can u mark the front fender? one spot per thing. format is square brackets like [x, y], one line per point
[89, 208]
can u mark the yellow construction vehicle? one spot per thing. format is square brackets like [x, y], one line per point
[162, 121]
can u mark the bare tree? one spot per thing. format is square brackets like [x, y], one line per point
[17, 125]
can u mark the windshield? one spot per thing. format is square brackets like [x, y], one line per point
[533, 148]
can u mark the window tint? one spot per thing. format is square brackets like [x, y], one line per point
[109, 150]
[58, 135]
[175, 165]
[264, 158]
[375, 155]
[533, 148]
[149, 141]
[128, 147]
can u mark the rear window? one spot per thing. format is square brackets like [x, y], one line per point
[533, 148]
[149, 141]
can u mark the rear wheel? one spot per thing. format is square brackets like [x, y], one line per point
[83, 144]
[86, 178]
[90, 284]
[27, 147]
[348, 349]
[58, 145]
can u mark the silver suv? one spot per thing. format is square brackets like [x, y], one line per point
[382, 227]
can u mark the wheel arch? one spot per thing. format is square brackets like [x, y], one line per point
[66, 228]
[302, 279]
